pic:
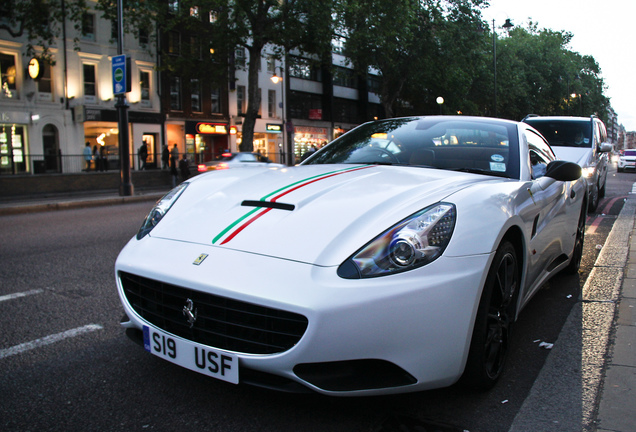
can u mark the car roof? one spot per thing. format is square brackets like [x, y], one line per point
[532, 118]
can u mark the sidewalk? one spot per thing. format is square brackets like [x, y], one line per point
[588, 382]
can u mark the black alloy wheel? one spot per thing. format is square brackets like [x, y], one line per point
[594, 197]
[494, 322]
[577, 253]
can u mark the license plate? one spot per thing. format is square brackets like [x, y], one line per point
[191, 355]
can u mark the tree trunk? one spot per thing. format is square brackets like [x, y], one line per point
[253, 98]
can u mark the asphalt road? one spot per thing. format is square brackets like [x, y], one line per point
[65, 363]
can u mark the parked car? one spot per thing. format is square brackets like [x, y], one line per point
[235, 160]
[627, 160]
[582, 140]
[395, 259]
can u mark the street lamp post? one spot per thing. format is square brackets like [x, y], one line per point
[125, 185]
[507, 25]
[277, 79]
[440, 102]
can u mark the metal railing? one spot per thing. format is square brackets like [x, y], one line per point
[51, 164]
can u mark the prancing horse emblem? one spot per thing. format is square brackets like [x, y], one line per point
[190, 312]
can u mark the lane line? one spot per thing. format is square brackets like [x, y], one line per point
[20, 294]
[48, 340]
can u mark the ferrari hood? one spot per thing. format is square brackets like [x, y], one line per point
[317, 214]
[578, 155]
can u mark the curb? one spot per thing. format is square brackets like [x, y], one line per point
[70, 203]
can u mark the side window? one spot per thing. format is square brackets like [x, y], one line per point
[539, 163]
[540, 154]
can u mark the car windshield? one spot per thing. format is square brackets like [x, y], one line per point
[450, 143]
[564, 133]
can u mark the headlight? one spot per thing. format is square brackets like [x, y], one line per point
[160, 209]
[416, 241]
[588, 171]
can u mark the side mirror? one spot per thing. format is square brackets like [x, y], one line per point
[563, 170]
[605, 147]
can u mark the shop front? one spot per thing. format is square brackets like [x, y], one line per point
[205, 140]
[101, 131]
[309, 138]
[268, 140]
[14, 143]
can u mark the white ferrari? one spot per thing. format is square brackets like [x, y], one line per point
[395, 259]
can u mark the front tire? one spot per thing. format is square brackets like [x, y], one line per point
[577, 253]
[494, 321]
[594, 197]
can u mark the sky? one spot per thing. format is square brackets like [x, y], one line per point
[603, 29]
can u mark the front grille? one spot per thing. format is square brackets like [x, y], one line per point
[221, 322]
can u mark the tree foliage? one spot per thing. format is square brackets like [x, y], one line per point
[421, 49]
[40, 21]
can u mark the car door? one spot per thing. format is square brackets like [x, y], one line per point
[550, 234]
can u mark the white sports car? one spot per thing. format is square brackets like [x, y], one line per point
[395, 259]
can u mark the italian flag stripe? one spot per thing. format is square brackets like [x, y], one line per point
[256, 213]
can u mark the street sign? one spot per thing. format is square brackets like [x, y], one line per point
[121, 74]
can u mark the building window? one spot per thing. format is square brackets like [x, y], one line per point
[174, 43]
[344, 77]
[7, 75]
[240, 100]
[374, 83]
[195, 95]
[114, 31]
[144, 36]
[45, 85]
[271, 103]
[90, 83]
[195, 47]
[239, 57]
[144, 84]
[173, 6]
[302, 68]
[175, 93]
[215, 98]
[88, 26]
[194, 11]
[337, 44]
[271, 64]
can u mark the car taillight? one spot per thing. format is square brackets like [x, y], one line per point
[202, 168]
[222, 166]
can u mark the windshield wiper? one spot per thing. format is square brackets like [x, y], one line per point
[481, 171]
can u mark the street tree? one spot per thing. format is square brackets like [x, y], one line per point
[40, 22]
[538, 73]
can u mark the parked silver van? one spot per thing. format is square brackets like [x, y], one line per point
[582, 140]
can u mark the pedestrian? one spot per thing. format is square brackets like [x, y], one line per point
[102, 159]
[96, 158]
[143, 155]
[184, 167]
[173, 171]
[88, 156]
[174, 153]
[165, 157]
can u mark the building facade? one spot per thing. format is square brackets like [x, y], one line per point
[48, 115]
[46, 118]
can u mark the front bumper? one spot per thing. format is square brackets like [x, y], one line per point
[405, 332]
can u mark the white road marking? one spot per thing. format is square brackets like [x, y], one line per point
[20, 294]
[633, 188]
[27, 346]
